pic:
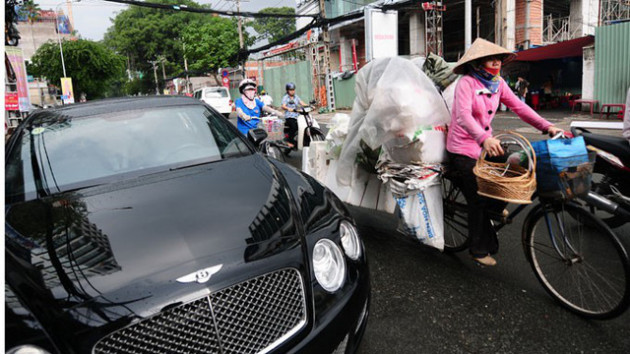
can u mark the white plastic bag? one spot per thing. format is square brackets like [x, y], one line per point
[421, 214]
[426, 145]
[338, 130]
[393, 98]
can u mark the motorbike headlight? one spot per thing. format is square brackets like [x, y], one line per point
[329, 265]
[350, 240]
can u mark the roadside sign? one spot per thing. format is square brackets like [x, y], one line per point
[226, 82]
[11, 101]
[66, 90]
[224, 73]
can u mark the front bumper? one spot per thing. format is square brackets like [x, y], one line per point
[341, 329]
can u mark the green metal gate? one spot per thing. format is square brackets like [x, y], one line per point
[612, 63]
[298, 73]
[344, 92]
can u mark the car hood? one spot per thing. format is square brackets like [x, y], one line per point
[136, 246]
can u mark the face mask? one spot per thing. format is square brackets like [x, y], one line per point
[249, 94]
[493, 71]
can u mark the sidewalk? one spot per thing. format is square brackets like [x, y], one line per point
[561, 118]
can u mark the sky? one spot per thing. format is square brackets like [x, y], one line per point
[92, 17]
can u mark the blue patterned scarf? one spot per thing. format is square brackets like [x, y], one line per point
[491, 82]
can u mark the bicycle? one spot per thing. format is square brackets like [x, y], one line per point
[577, 258]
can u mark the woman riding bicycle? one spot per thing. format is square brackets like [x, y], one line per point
[249, 108]
[477, 97]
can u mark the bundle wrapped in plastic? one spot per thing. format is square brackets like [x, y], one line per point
[337, 132]
[439, 70]
[393, 98]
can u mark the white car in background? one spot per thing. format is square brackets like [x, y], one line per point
[217, 97]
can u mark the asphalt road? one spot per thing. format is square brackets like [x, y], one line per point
[424, 301]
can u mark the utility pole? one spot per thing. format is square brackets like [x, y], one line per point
[154, 63]
[186, 67]
[162, 60]
[467, 24]
[326, 70]
[478, 21]
[240, 23]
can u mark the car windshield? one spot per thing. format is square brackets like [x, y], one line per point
[218, 92]
[68, 153]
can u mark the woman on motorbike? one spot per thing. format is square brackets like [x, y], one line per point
[477, 97]
[249, 108]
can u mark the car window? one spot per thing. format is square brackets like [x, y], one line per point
[72, 152]
[218, 92]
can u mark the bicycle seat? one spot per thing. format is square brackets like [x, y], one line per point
[615, 145]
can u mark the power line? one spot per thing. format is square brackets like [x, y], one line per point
[186, 8]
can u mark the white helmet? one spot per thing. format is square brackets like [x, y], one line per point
[245, 83]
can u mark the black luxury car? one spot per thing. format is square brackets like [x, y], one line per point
[151, 225]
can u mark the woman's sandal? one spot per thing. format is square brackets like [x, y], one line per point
[488, 261]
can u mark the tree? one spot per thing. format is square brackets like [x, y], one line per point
[143, 34]
[212, 45]
[30, 10]
[92, 66]
[274, 28]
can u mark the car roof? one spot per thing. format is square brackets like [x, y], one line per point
[112, 105]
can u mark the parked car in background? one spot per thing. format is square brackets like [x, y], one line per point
[218, 97]
[151, 225]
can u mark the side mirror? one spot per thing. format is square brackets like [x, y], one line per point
[256, 136]
[313, 102]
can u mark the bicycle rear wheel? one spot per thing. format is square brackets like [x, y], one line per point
[578, 260]
[455, 217]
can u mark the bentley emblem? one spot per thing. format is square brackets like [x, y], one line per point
[200, 276]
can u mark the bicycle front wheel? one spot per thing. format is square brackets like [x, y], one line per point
[578, 259]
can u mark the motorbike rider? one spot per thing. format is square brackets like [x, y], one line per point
[266, 98]
[249, 108]
[290, 102]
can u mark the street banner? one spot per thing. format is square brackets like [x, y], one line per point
[381, 33]
[11, 101]
[16, 58]
[67, 95]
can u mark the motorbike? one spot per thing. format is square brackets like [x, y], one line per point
[270, 147]
[611, 174]
[308, 128]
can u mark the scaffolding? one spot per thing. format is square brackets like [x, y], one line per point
[614, 10]
[433, 26]
[558, 29]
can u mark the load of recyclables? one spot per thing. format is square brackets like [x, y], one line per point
[387, 154]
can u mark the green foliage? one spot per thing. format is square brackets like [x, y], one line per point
[211, 45]
[275, 28]
[30, 10]
[93, 67]
[144, 34]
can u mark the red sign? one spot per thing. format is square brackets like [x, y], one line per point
[11, 101]
[226, 82]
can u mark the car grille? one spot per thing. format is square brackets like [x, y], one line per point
[254, 316]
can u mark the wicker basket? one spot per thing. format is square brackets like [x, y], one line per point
[507, 182]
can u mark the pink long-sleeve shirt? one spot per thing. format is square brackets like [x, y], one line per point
[474, 108]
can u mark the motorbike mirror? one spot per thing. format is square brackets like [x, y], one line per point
[256, 136]
[313, 102]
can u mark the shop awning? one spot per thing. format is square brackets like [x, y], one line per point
[566, 49]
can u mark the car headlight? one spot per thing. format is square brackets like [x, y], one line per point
[27, 349]
[350, 240]
[329, 265]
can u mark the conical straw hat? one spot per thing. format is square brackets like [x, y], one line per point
[479, 49]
